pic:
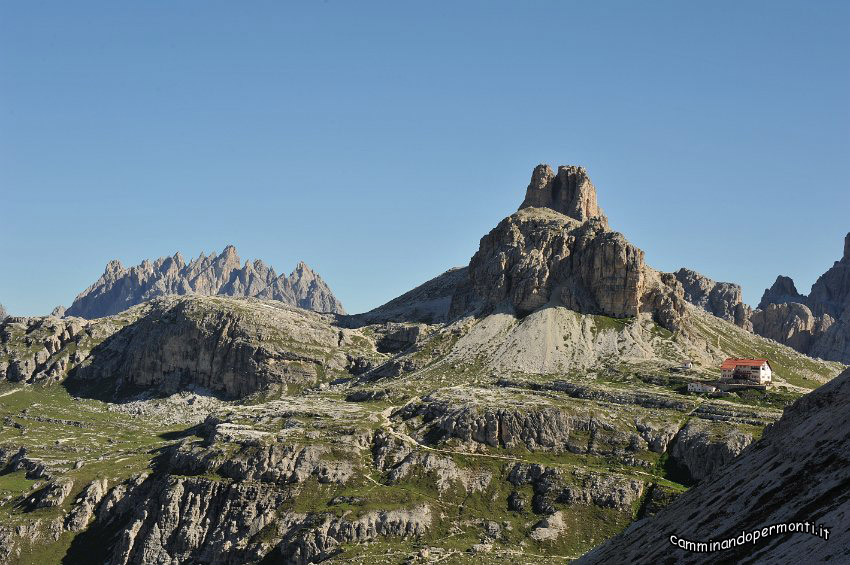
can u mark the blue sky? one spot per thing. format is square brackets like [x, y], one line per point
[379, 141]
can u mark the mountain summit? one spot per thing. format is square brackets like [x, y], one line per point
[569, 192]
[120, 288]
[817, 324]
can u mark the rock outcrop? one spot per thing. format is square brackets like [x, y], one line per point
[817, 324]
[552, 485]
[120, 288]
[558, 250]
[43, 349]
[569, 191]
[797, 472]
[835, 341]
[537, 257]
[783, 290]
[791, 323]
[702, 447]
[722, 299]
[228, 346]
[3, 313]
[229, 500]
[85, 505]
[52, 494]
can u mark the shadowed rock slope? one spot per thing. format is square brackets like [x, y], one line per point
[427, 303]
[120, 288]
[798, 472]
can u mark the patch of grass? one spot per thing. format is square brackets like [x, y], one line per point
[15, 484]
[607, 323]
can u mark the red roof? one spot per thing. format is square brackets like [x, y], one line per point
[731, 363]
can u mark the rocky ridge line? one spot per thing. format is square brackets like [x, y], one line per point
[120, 288]
[818, 324]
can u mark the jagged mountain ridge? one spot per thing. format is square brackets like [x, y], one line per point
[723, 299]
[120, 288]
[817, 324]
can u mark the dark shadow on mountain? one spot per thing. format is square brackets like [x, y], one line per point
[196, 430]
[108, 371]
[96, 543]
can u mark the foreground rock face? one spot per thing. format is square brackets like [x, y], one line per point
[797, 472]
[817, 324]
[120, 288]
[722, 299]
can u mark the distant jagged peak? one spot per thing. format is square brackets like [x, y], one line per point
[723, 299]
[569, 191]
[822, 328]
[302, 269]
[781, 291]
[113, 267]
[216, 274]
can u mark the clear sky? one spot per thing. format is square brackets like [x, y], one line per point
[379, 141]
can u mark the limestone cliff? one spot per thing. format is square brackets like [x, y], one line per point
[558, 250]
[120, 288]
[722, 299]
[791, 323]
[569, 191]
